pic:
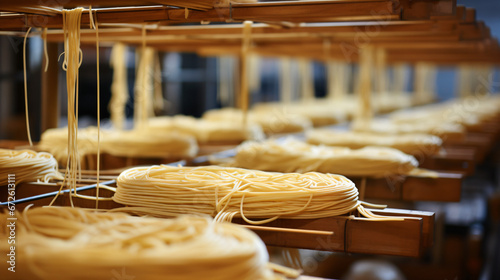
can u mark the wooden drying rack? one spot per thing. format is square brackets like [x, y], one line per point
[416, 30]
[410, 21]
[340, 234]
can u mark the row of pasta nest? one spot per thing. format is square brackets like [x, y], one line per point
[71, 243]
[417, 131]
[60, 243]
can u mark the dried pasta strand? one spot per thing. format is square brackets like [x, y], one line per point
[45, 53]
[26, 87]
[71, 64]
[143, 106]
[119, 87]
[245, 50]
[95, 24]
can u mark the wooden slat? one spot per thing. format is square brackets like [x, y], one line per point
[402, 238]
[455, 159]
[446, 187]
[428, 219]
[424, 9]
[480, 142]
[470, 14]
[313, 11]
[372, 29]
[437, 42]
[192, 4]
[307, 11]
[387, 238]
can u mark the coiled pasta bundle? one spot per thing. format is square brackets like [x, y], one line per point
[27, 165]
[225, 193]
[132, 143]
[272, 122]
[412, 144]
[72, 243]
[206, 131]
[296, 156]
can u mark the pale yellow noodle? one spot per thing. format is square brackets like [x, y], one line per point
[224, 193]
[72, 244]
[295, 156]
[27, 166]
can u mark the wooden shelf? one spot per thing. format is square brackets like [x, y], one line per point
[410, 31]
[403, 238]
[446, 187]
[453, 159]
[289, 11]
[23, 4]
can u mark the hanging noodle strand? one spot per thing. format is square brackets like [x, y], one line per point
[71, 64]
[26, 88]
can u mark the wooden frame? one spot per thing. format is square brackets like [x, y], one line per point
[409, 237]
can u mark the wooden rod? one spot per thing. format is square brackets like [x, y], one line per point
[292, 230]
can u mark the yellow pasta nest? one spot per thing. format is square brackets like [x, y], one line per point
[131, 143]
[71, 243]
[272, 122]
[206, 131]
[413, 144]
[296, 156]
[27, 165]
[234, 192]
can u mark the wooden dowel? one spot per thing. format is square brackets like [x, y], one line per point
[290, 230]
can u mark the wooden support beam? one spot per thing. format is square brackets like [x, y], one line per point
[425, 9]
[403, 238]
[470, 15]
[315, 11]
[197, 4]
[446, 187]
[453, 159]
[408, 237]
[289, 11]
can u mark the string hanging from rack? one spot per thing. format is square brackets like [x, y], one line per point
[159, 103]
[306, 80]
[45, 53]
[286, 81]
[364, 113]
[71, 63]
[144, 88]
[245, 50]
[119, 86]
[26, 88]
